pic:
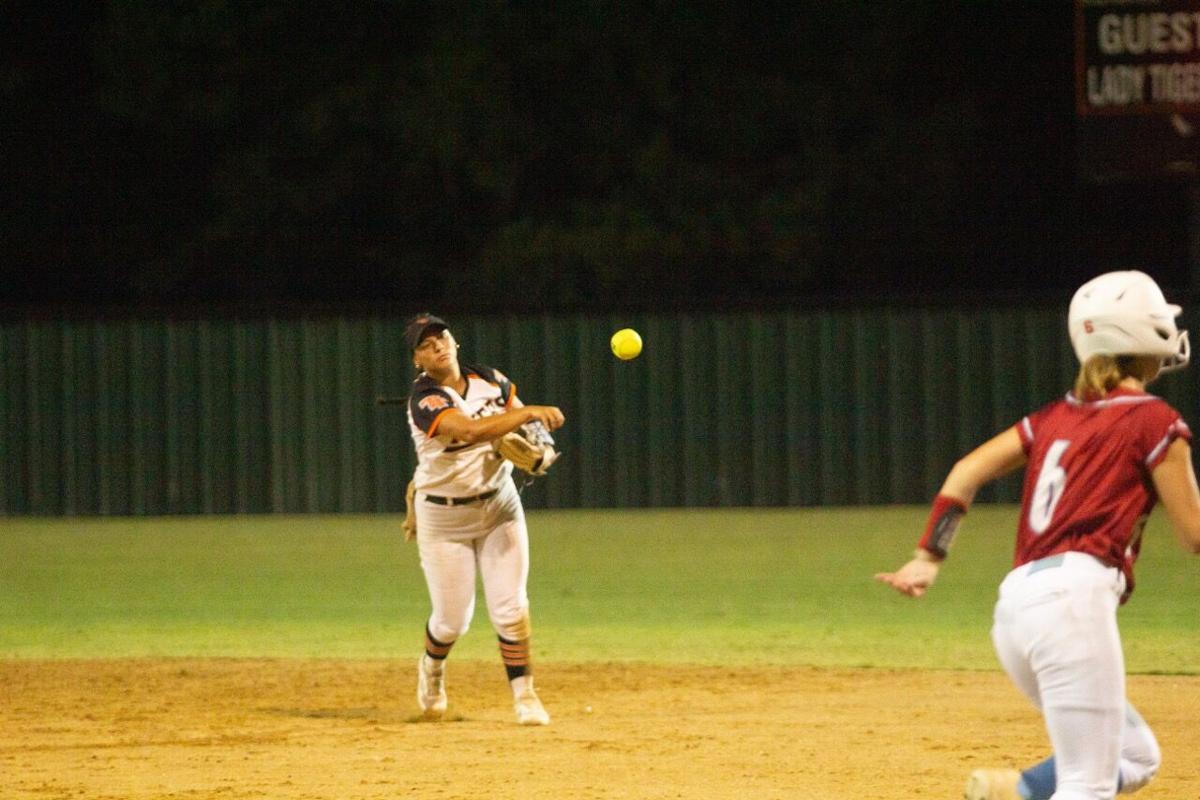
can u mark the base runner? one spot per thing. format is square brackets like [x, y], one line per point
[1097, 461]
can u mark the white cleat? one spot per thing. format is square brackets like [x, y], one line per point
[529, 709]
[993, 784]
[431, 687]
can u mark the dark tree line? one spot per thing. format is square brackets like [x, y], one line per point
[495, 155]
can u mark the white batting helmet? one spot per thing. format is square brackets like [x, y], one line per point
[1125, 313]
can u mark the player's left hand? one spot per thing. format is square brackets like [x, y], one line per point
[530, 449]
[913, 579]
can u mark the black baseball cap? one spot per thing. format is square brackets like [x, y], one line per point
[420, 326]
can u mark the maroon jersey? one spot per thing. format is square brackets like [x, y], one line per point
[1087, 483]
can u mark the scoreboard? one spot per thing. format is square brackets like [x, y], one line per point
[1137, 89]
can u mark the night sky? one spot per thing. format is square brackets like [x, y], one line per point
[566, 156]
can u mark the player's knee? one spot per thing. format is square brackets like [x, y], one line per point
[1139, 770]
[514, 628]
[1134, 777]
[447, 630]
[1151, 771]
[1151, 759]
[1140, 755]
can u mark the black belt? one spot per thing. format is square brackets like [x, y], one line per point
[459, 501]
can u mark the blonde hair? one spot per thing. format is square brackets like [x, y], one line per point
[1099, 375]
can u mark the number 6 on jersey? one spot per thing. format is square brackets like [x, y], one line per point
[1052, 479]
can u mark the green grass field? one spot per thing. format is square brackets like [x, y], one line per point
[786, 586]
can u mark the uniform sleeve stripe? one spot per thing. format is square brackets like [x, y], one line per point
[433, 426]
[1173, 433]
[1027, 428]
[1158, 448]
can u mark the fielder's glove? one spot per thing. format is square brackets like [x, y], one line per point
[530, 448]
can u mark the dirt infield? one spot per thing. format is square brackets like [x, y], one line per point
[292, 729]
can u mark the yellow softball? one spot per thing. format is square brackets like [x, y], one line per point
[626, 344]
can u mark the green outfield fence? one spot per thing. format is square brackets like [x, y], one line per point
[748, 409]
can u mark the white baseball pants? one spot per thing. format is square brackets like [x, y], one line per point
[1056, 635]
[454, 543]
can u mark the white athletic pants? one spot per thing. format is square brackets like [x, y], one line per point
[500, 553]
[1056, 635]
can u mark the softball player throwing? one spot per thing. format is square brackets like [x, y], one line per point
[468, 513]
[1098, 460]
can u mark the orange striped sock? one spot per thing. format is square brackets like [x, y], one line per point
[515, 656]
[434, 648]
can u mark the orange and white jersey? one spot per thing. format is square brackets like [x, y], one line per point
[446, 466]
